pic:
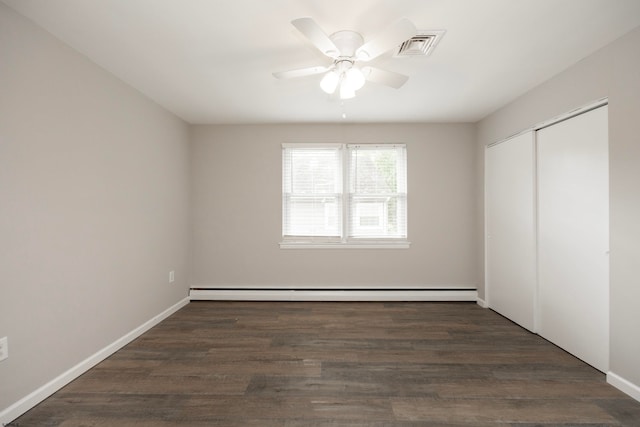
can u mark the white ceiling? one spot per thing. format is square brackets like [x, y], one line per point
[210, 61]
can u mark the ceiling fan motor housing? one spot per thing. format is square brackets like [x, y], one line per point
[347, 43]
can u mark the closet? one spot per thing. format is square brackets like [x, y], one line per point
[547, 222]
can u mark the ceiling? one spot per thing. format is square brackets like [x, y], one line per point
[210, 61]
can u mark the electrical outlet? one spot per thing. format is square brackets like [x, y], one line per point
[172, 276]
[4, 348]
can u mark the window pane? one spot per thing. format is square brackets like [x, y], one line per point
[313, 171]
[314, 216]
[376, 170]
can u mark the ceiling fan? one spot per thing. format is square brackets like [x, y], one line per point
[348, 50]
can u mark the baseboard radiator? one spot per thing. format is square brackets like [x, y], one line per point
[242, 293]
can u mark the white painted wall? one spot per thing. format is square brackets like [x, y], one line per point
[236, 184]
[94, 203]
[611, 72]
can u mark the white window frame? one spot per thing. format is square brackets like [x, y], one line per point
[342, 242]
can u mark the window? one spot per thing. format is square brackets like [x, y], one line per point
[338, 195]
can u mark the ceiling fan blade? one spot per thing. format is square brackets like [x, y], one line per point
[301, 72]
[391, 37]
[317, 36]
[384, 77]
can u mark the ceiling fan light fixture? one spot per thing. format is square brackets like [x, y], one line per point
[354, 78]
[329, 82]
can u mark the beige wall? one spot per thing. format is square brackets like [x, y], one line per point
[236, 184]
[93, 207]
[611, 72]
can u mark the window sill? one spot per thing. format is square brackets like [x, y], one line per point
[346, 245]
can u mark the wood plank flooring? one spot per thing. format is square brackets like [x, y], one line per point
[317, 364]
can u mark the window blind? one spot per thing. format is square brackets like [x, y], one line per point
[312, 191]
[377, 196]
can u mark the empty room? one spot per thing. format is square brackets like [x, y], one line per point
[319, 213]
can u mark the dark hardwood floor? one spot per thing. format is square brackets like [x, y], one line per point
[337, 364]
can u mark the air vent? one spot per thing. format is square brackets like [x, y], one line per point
[422, 44]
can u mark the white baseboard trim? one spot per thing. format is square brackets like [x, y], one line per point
[626, 386]
[32, 399]
[482, 303]
[345, 294]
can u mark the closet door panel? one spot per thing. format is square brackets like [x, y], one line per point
[510, 224]
[573, 236]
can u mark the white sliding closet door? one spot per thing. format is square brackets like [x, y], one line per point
[510, 224]
[573, 236]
